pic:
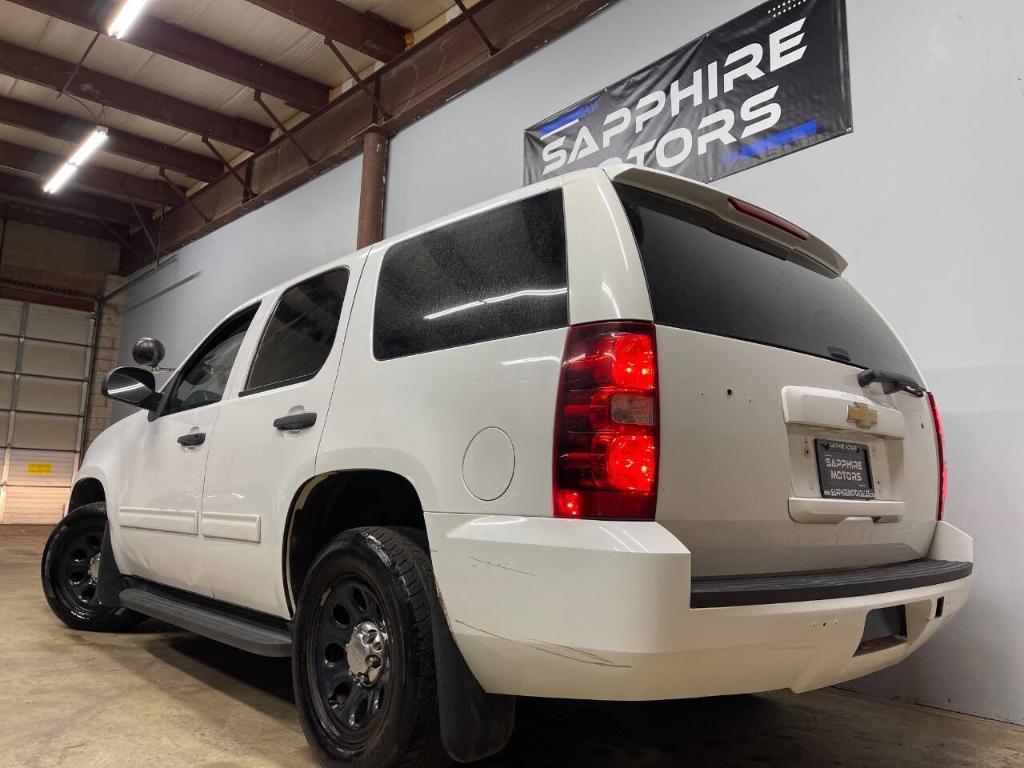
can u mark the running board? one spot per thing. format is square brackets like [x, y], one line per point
[210, 622]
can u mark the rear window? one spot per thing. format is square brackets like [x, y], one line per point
[726, 283]
[499, 273]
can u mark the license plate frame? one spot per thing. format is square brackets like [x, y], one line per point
[844, 469]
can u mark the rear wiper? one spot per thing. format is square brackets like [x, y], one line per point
[891, 382]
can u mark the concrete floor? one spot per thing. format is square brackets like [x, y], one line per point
[162, 697]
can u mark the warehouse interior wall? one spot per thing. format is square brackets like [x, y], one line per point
[204, 281]
[921, 199]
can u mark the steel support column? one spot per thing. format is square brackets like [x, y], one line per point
[372, 188]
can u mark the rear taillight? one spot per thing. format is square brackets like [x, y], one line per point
[940, 449]
[606, 426]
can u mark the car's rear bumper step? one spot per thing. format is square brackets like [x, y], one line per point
[247, 634]
[802, 587]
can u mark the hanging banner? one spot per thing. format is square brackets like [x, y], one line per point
[770, 82]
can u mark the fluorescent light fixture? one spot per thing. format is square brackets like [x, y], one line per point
[125, 16]
[86, 148]
[60, 178]
[78, 158]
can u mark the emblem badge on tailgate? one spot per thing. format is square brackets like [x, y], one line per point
[862, 415]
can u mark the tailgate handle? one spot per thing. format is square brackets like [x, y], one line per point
[891, 382]
[295, 421]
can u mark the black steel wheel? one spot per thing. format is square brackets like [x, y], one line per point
[70, 573]
[78, 567]
[363, 667]
[352, 652]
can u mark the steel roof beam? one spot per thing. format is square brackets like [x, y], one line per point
[364, 32]
[162, 37]
[91, 176]
[425, 78]
[50, 72]
[16, 210]
[67, 128]
[24, 190]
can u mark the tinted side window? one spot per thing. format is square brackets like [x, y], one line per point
[497, 274]
[301, 332]
[205, 375]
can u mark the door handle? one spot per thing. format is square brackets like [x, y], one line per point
[295, 421]
[192, 439]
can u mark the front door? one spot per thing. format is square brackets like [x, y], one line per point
[267, 437]
[160, 496]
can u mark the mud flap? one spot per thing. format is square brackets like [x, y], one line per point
[474, 724]
[110, 583]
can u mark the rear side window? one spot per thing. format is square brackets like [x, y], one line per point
[497, 274]
[301, 332]
[725, 283]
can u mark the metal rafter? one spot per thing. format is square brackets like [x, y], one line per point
[156, 35]
[366, 87]
[67, 128]
[476, 26]
[425, 78]
[91, 176]
[364, 32]
[16, 210]
[21, 189]
[47, 71]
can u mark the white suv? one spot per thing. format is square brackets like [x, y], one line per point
[612, 436]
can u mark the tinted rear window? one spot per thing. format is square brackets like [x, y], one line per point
[710, 282]
[497, 274]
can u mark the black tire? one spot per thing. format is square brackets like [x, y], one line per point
[69, 587]
[366, 579]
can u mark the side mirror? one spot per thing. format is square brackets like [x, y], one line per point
[148, 352]
[135, 386]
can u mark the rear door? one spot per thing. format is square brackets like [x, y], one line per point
[267, 438]
[773, 458]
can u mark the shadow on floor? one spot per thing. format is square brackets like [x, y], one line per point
[556, 732]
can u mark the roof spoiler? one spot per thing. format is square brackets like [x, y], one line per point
[736, 213]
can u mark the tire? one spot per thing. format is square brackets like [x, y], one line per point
[69, 583]
[365, 598]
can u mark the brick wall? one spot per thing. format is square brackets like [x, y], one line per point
[98, 412]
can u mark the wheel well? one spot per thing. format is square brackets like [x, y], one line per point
[86, 491]
[332, 503]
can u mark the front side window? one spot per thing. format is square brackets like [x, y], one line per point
[493, 275]
[204, 376]
[300, 335]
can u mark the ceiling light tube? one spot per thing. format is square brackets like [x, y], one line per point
[125, 16]
[59, 179]
[87, 147]
[81, 154]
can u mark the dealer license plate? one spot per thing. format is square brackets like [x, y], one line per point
[844, 471]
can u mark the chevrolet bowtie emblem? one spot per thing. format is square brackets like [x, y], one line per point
[861, 415]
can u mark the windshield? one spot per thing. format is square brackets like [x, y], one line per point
[704, 281]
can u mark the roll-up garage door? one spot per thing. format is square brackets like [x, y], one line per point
[45, 357]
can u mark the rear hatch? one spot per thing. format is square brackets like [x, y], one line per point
[772, 457]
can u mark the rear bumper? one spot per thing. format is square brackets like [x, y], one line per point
[598, 610]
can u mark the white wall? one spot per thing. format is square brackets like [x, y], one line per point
[922, 199]
[182, 302]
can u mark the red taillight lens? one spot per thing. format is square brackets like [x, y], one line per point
[606, 427]
[940, 448]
